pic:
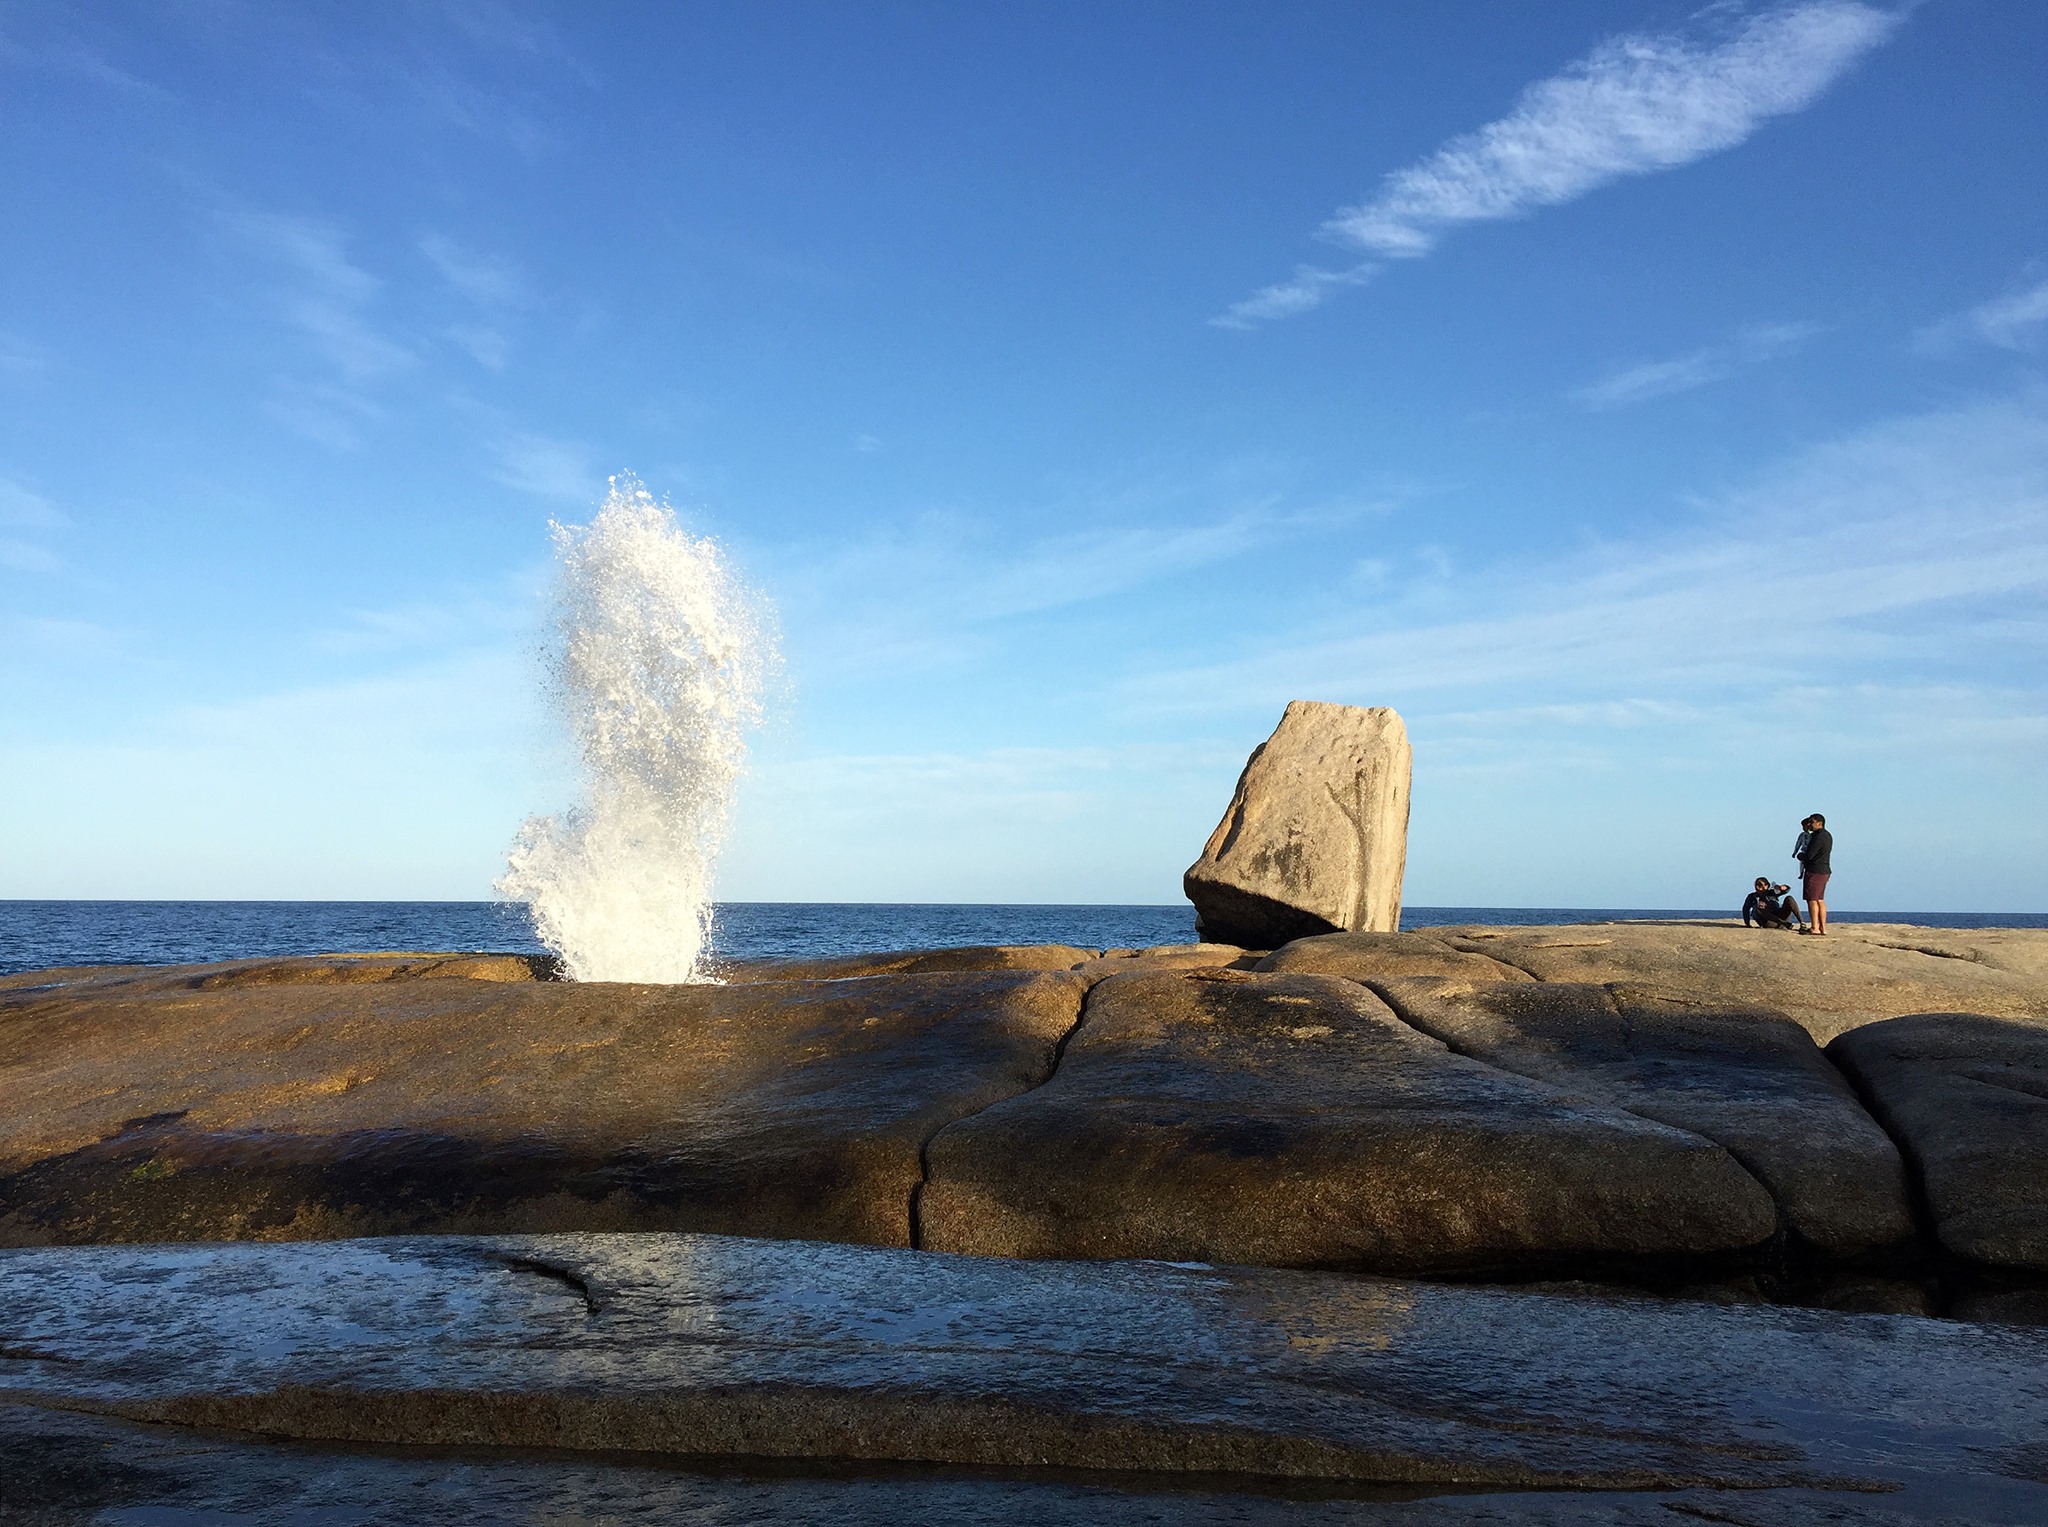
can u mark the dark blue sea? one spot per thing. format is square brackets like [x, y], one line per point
[35, 935]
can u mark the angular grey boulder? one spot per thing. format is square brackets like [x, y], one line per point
[1748, 1079]
[1292, 1120]
[1967, 1097]
[1316, 837]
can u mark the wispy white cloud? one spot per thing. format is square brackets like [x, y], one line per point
[488, 347]
[489, 282]
[461, 617]
[73, 59]
[24, 510]
[997, 824]
[21, 509]
[329, 295]
[1712, 363]
[549, 468]
[1307, 288]
[930, 593]
[26, 557]
[2017, 320]
[1919, 546]
[485, 279]
[20, 359]
[58, 636]
[1637, 104]
[322, 413]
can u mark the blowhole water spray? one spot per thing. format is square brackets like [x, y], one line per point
[656, 661]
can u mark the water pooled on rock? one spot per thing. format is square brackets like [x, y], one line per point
[656, 662]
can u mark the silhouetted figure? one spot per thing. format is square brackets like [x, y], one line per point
[1770, 906]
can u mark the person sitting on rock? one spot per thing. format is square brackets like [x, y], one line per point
[1770, 905]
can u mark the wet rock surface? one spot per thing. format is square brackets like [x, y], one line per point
[61, 1468]
[1294, 1120]
[1316, 836]
[1967, 1097]
[691, 1347]
[1746, 1078]
[178, 1105]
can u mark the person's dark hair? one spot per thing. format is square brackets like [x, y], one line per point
[1818, 820]
[1763, 882]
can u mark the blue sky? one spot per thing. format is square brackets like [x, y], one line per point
[1648, 401]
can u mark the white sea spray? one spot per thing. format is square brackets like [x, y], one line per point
[656, 660]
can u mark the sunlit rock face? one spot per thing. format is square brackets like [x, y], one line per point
[1294, 1120]
[1746, 1078]
[1858, 974]
[1592, 1103]
[293, 1099]
[1316, 837]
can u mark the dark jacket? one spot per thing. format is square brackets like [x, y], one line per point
[1766, 907]
[1816, 852]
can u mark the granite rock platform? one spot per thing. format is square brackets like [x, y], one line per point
[1620, 1223]
[1857, 1120]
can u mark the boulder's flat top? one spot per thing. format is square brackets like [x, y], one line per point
[699, 1346]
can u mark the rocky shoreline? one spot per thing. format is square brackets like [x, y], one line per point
[1618, 1126]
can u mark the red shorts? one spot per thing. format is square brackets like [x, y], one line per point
[1815, 887]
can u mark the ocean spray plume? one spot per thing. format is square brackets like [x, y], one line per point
[656, 661]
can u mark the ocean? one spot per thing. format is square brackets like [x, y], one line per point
[35, 935]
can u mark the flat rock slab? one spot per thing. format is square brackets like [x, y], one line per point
[1372, 957]
[1744, 1077]
[1967, 1096]
[908, 962]
[218, 1102]
[696, 1346]
[1293, 1120]
[1166, 957]
[1860, 973]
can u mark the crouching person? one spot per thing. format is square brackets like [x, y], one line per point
[1770, 906]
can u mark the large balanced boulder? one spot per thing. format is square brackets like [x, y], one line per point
[1747, 1078]
[254, 1100]
[1316, 837]
[1294, 1120]
[1859, 973]
[1967, 1096]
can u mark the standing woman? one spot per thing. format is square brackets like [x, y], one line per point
[1814, 851]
